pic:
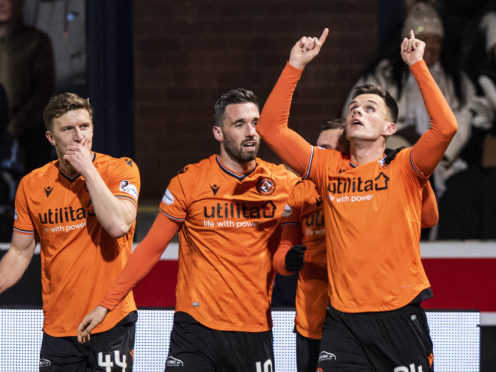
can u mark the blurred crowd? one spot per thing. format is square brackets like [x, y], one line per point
[466, 176]
[27, 81]
[463, 181]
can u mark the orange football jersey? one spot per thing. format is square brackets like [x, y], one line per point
[312, 299]
[227, 240]
[79, 259]
[373, 230]
[372, 211]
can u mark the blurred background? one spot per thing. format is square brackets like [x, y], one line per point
[153, 70]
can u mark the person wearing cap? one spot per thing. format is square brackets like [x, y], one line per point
[413, 121]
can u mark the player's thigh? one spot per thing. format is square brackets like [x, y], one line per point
[402, 341]
[245, 352]
[188, 361]
[192, 346]
[61, 354]
[340, 350]
[307, 353]
[113, 350]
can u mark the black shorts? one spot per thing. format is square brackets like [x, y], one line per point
[307, 353]
[110, 349]
[396, 340]
[196, 348]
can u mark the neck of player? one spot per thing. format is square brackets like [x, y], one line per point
[363, 152]
[239, 167]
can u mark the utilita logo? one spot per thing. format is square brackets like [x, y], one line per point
[240, 210]
[66, 214]
[347, 185]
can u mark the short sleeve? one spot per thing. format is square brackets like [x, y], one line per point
[22, 219]
[174, 203]
[125, 181]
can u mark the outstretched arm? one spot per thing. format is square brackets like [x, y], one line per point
[429, 149]
[273, 123]
[141, 261]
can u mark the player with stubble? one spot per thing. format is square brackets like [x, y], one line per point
[226, 209]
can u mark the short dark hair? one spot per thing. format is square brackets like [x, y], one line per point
[339, 123]
[63, 103]
[390, 102]
[238, 95]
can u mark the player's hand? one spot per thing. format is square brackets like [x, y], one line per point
[294, 259]
[89, 322]
[412, 49]
[306, 49]
[79, 156]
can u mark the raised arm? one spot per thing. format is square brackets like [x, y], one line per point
[273, 123]
[141, 261]
[429, 149]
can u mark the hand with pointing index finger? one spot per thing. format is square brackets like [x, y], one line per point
[412, 49]
[306, 49]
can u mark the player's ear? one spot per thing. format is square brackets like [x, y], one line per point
[217, 130]
[389, 130]
[49, 137]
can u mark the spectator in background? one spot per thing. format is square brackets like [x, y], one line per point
[27, 74]
[3, 109]
[8, 183]
[393, 75]
[4, 185]
[487, 82]
[467, 209]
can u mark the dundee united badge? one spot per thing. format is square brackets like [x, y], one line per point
[266, 186]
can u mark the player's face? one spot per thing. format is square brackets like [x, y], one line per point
[240, 139]
[74, 127]
[332, 139]
[368, 118]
